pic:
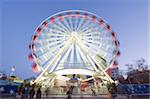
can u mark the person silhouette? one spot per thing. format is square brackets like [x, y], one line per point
[69, 92]
[39, 93]
[31, 93]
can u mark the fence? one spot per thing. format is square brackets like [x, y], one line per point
[133, 88]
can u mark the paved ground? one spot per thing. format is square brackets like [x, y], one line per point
[80, 97]
[85, 97]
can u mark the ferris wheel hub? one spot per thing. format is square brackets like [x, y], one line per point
[73, 36]
[74, 33]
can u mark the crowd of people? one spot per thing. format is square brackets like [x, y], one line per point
[27, 91]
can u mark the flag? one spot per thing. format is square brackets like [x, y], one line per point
[8, 87]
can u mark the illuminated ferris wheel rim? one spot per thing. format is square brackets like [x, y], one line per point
[66, 11]
[71, 12]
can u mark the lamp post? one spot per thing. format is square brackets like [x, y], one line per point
[12, 71]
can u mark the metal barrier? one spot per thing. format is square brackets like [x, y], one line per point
[133, 88]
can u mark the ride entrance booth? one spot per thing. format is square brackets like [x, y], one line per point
[71, 43]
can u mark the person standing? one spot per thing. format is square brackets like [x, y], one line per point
[39, 93]
[23, 91]
[47, 92]
[31, 93]
[69, 92]
[20, 90]
[113, 91]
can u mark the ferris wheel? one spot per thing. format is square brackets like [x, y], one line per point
[73, 39]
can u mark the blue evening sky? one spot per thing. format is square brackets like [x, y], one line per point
[19, 19]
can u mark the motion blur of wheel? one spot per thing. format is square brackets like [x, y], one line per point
[76, 34]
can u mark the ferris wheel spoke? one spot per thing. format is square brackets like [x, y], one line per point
[44, 44]
[86, 25]
[44, 63]
[91, 56]
[74, 23]
[53, 34]
[70, 23]
[61, 44]
[50, 39]
[57, 28]
[89, 29]
[66, 24]
[54, 30]
[57, 39]
[92, 30]
[82, 58]
[85, 56]
[95, 45]
[62, 50]
[77, 20]
[66, 54]
[42, 50]
[79, 58]
[89, 46]
[87, 39]
[48, 47]
[93, 64]
[99, 65]
[104, 50]
[46, 51]
[66, 57]
[47, 61]
[62, 27]
[72, 57]
[82, 23]
[82, 55]
[41, 59]
[47, 67]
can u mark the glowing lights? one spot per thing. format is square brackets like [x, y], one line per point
[73, 37]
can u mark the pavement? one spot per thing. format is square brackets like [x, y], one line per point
[79, 97]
